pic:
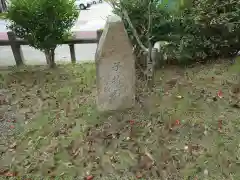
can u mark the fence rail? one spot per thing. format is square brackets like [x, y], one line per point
[16, 44]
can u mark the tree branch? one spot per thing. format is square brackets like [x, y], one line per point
[149, 31]
[134, 30]
[124, 13]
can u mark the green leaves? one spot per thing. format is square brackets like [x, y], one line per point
[197, 31]
[43, 23]
[208, 30]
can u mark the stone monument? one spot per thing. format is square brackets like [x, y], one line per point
[115, 67]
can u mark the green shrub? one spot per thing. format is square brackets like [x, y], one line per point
[138, 13]
[44, 23]
[211, 29]
[197, 30]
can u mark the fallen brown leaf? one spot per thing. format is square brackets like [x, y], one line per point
[139, 175]
[9, 174]
[146, 161]
[13, 145]
[89, 177]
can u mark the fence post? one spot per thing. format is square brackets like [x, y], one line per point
[154, 57]
[72, 53]
[99, 34]
[16, 48]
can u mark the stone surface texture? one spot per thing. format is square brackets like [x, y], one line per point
[115, 67]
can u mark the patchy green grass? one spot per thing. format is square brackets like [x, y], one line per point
[3, 15]
[186, 128]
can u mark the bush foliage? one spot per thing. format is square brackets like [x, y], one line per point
[211, 29]
[44, 23]
[196, 30]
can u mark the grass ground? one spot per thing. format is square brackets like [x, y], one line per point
[2, 15]
[186, 128]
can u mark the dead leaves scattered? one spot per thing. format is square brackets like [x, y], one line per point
[120, 142]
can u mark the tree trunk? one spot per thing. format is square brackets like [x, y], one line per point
[150, 64]
[46, 52]
[50, 57]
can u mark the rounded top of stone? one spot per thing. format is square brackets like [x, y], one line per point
[114, 18]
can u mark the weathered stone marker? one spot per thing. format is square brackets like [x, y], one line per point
[115, 66]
